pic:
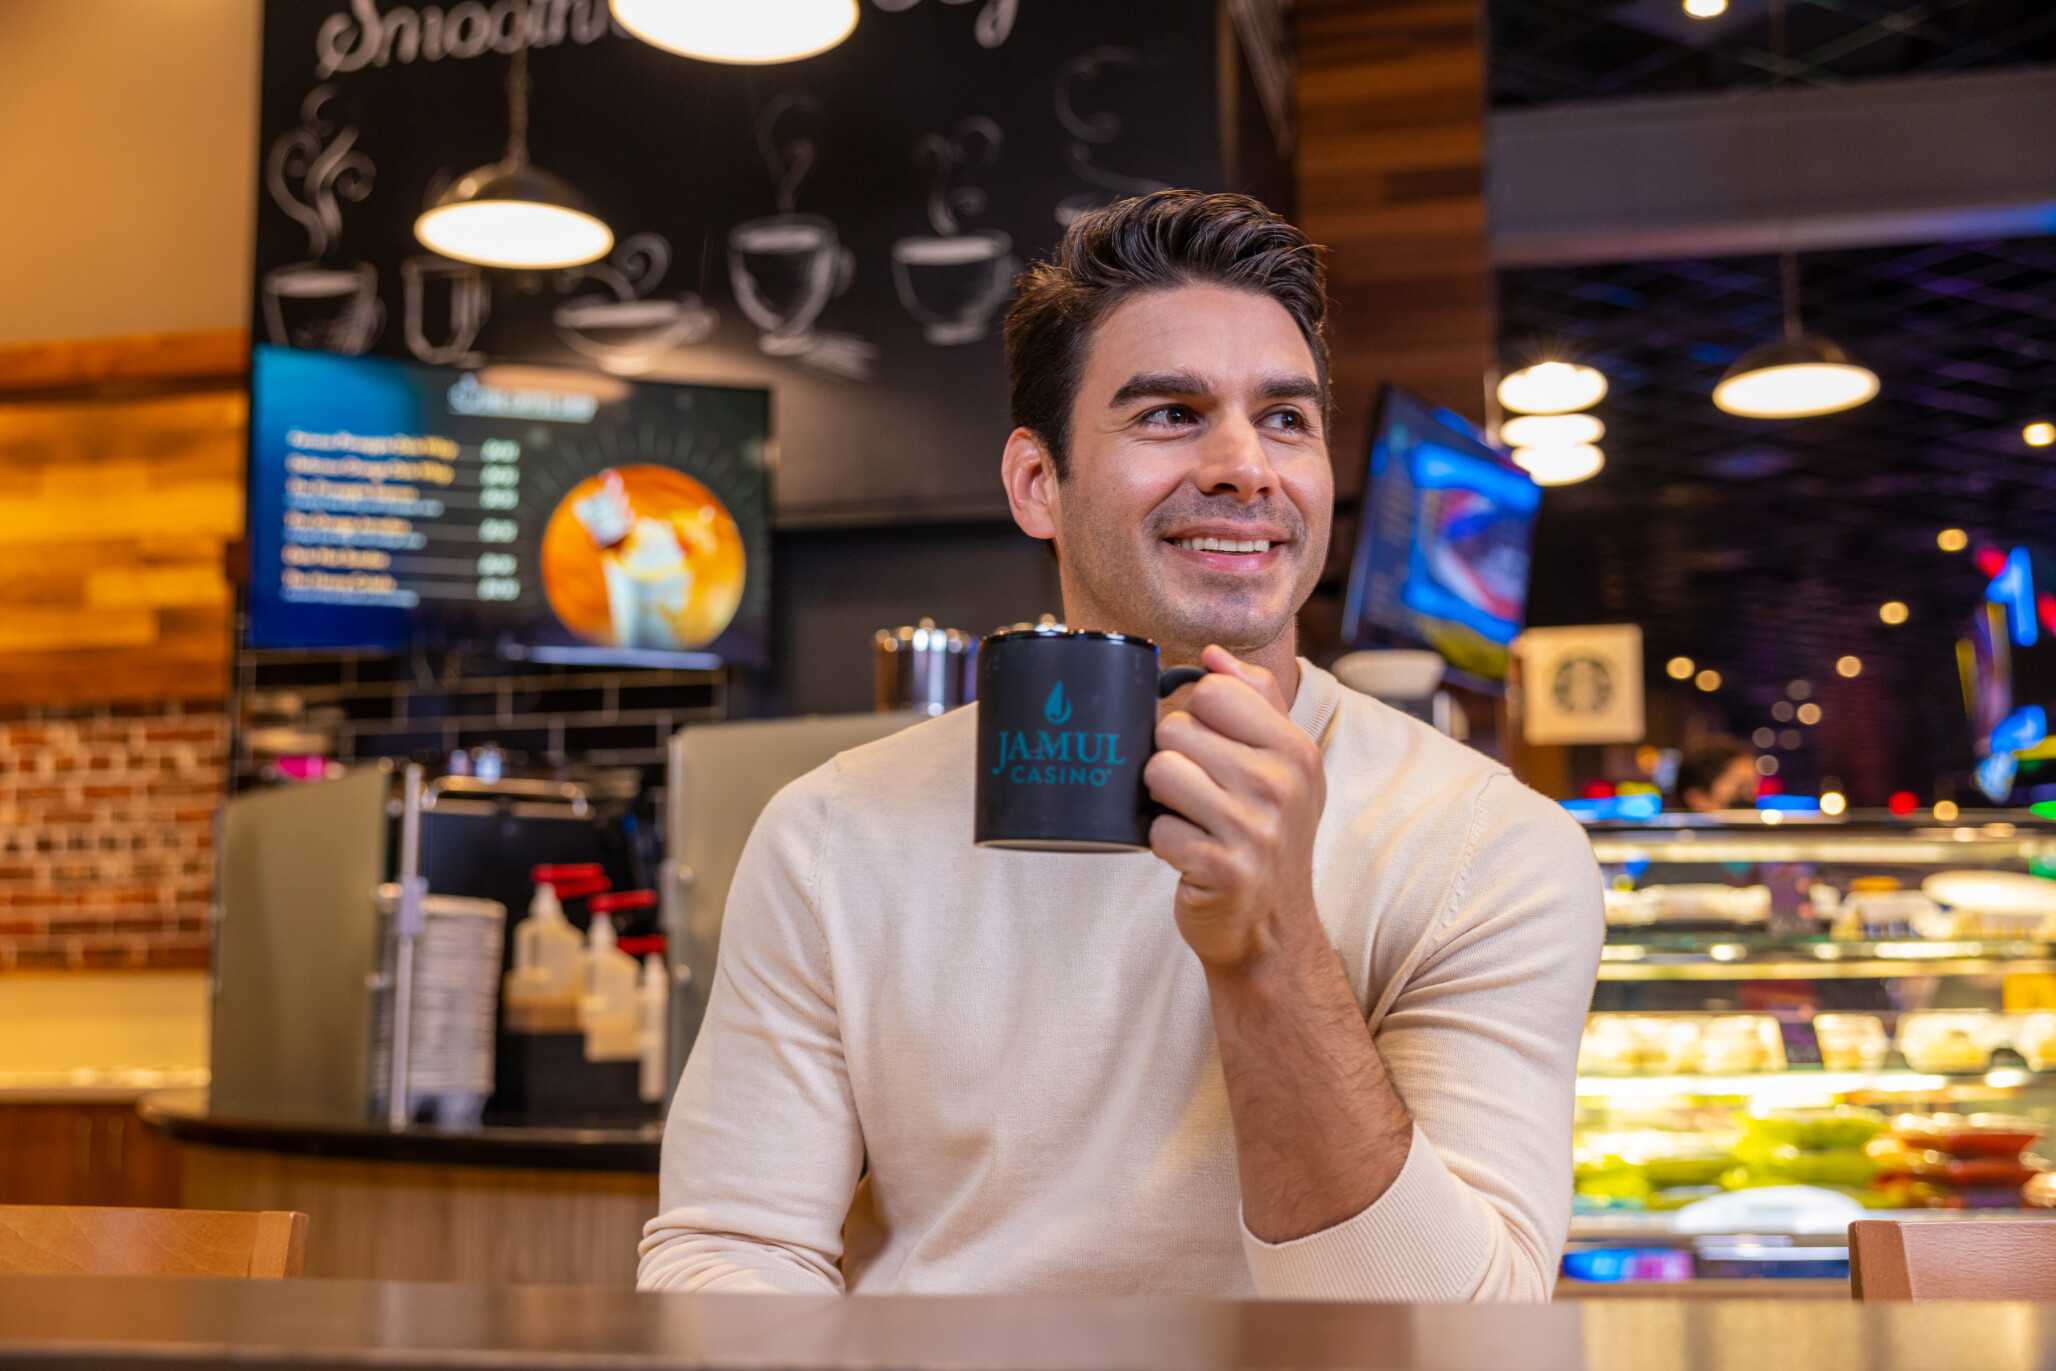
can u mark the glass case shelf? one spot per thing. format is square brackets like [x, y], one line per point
[1632, 954]
[1997, 838]
[1800, 1086]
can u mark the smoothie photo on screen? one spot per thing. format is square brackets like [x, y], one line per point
[643, 557]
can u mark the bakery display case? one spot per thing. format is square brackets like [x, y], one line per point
[1802, 1020]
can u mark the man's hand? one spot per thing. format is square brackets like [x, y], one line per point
[1247, 787]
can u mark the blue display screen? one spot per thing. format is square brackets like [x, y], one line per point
[536, 511]
[2006, 659]
[1443, 544]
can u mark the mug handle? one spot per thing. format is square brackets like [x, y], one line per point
[1177, 678]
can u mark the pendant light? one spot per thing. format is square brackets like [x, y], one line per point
[1798, 376]
[746, 32]
[512, 214]
[1552, 387]
[1801, 375]
[1563, 465]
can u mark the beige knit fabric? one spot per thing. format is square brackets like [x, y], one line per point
[1015, 1050]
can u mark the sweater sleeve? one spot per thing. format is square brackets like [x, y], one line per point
[1481, 1042]
[762, 1151]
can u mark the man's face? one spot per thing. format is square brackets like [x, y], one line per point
[1198, 494]
[1734, 788]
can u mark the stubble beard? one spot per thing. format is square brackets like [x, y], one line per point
[1111, 581]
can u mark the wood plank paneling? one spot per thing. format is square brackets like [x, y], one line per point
[1391, 164]
[121, 490]
[425, 1222]
[216, 355]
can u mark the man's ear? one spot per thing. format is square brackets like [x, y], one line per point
[1030, 477]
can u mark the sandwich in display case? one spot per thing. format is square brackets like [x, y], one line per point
[1802, 1020]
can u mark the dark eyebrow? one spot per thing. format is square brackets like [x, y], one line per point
[1159, 384]
[1289, 388]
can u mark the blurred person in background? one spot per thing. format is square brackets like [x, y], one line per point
[1718, 773]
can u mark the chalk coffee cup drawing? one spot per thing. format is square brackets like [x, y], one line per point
[953, 285]
[632, 335]
[1066, 721]
[785, 268]
[323, 307]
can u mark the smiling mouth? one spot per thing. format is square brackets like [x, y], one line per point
[1231, 545]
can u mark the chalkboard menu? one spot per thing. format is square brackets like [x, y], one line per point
[841, 231]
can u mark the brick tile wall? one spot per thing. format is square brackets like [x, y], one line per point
[107, 835]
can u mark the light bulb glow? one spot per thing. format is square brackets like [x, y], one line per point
[745, 32]
[1893, 612]
[1952, 540]
[1798, 390]
[1946, 811]
[1766, 766]
[1706, 9]
[1833, 802]
[2040, 433]
[1680, 668]
[1559, 466]
[1809, 714]
[1552, 388]
[1551, 430]
[1765, 737]
[514, 233]
[1707, 680]
[1790, 740]
[1851, 667]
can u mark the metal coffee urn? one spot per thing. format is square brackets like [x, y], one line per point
[923, 668]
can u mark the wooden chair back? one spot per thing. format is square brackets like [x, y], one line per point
[1982, 1259]
[60, 1240]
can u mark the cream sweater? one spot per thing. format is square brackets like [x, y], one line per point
[932, 1068]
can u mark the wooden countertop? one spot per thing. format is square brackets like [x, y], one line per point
[61, 1320]
[185, 1116]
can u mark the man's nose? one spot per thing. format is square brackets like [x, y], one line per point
[1236, 462]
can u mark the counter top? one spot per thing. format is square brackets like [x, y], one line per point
[390, 1324]
[184, 1116]
[93, 1086]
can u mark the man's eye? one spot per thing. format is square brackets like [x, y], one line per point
[1169, 416]
[1289, 419]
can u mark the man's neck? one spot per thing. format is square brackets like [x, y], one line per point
[1280, 656]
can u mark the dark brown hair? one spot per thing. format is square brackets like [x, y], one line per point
[1149, 242]
[1707, 761]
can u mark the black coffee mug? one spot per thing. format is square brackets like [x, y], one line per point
[1066, 720]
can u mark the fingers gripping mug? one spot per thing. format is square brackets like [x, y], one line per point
[1066, 721]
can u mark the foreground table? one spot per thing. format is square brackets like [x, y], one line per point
[62, 1321]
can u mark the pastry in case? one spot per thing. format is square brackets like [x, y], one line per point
[2034, 1037]
[1737, 1044]
[1720, 905]
[1851, 1042]
[1972, 1135]
[1950, 1042]
[1634, 1044]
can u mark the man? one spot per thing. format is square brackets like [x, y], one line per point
[1318, 1043]
[1717, 774]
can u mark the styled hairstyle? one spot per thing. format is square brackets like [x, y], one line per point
[1704, 762]
[1158, 241]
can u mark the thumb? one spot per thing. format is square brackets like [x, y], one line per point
[1221, 661]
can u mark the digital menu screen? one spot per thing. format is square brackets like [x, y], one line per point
[1443, 543]
[2006, 659]
[540, 512]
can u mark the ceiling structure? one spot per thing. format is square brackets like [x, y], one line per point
[1547, 51]
[1763, 549]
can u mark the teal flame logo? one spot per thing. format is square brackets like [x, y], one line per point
[1056, 708]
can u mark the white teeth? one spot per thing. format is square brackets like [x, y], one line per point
[1225, 544]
